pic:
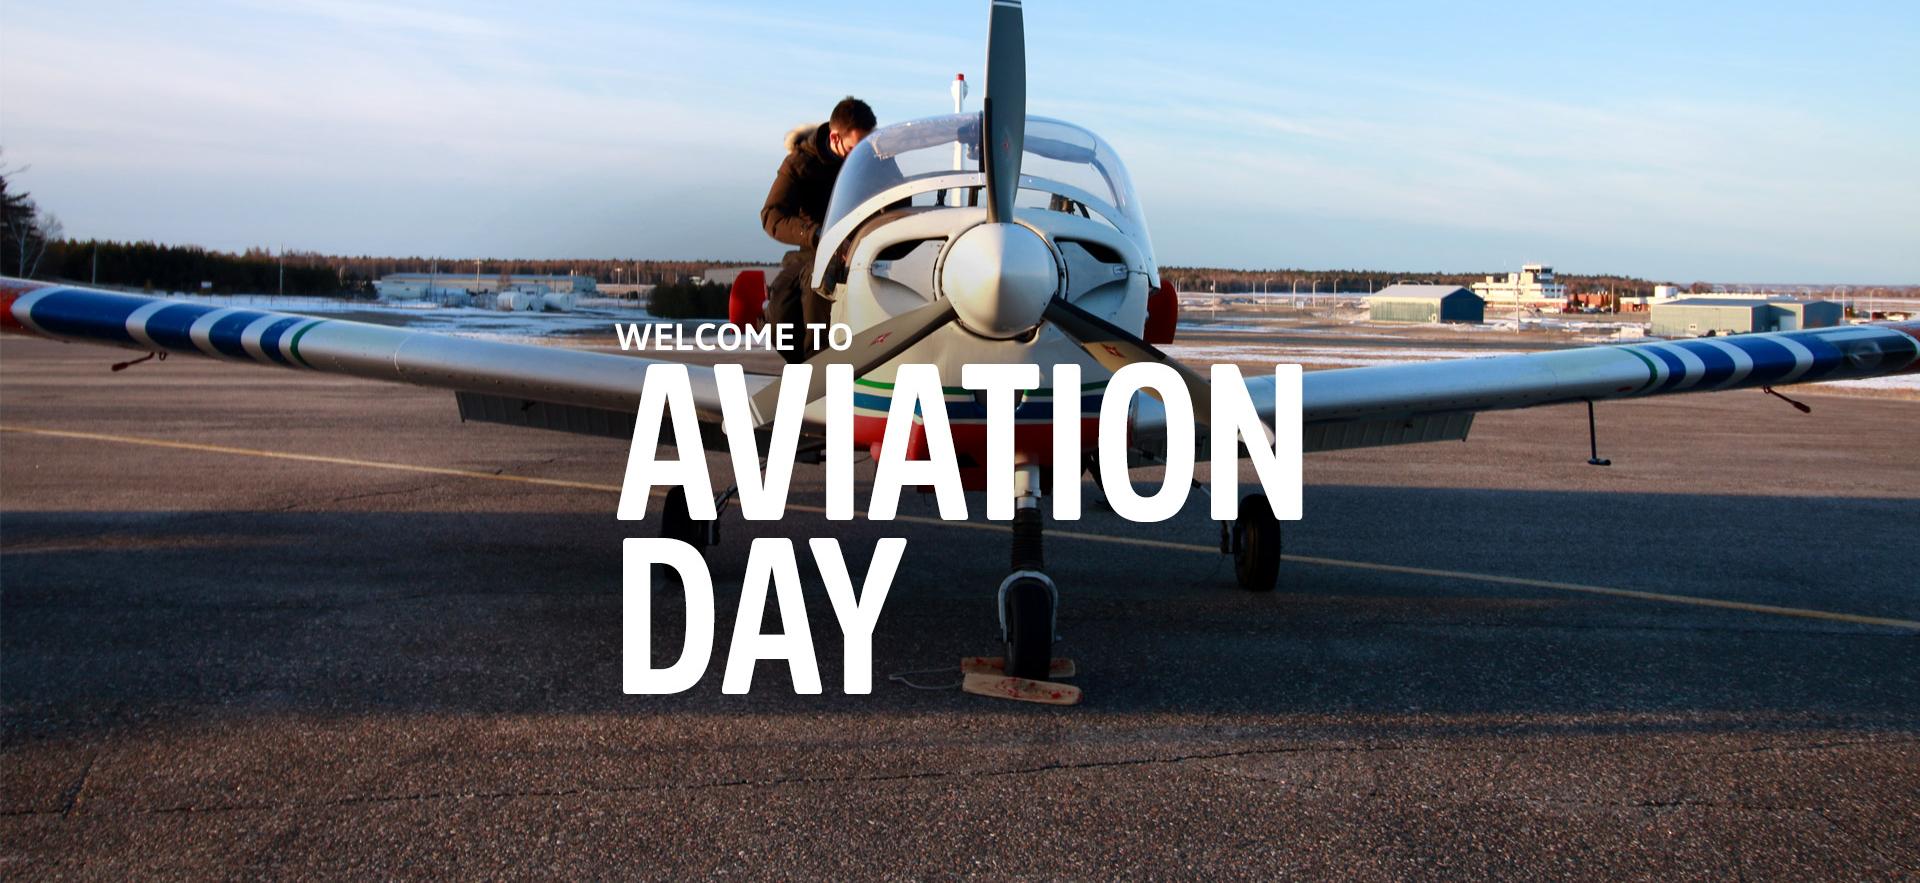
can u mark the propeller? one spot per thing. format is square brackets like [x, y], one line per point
[1003, 111]
[874, 346]
[1114, 348]
[1003, 135]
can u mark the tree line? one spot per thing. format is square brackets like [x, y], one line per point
[359, 271]
[155, 266]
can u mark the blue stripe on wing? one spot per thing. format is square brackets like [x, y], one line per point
[1719, 365]
[86, 314]
[225, 333]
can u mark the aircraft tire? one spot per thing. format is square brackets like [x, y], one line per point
[1029, 629]
[1256, 545]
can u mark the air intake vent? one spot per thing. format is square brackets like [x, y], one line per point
[1099, 251]
[900, 250]
[903, 273]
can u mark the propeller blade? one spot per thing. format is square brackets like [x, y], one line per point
[1114, 348]
[871, 348]
[1003, 111]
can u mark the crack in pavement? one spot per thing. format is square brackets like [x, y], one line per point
[75, 793]
[1821, 746]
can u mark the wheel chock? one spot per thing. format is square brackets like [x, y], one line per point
[1020, 689]
[1058, 669]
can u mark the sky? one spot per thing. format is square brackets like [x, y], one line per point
[1750, 141]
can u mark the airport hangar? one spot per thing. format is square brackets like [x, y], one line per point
[1426, 303]
[1704, 316]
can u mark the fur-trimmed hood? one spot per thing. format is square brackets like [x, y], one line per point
[800, 134]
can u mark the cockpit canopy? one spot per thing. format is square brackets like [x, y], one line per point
[917, 162]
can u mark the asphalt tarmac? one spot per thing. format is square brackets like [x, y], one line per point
[260, 623]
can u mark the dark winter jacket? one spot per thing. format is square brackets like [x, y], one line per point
[797, 205]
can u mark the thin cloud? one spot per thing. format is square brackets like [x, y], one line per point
[386, 17]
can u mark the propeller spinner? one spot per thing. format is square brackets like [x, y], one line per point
[999, 278]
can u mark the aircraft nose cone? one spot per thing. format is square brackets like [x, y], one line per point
[999, 278]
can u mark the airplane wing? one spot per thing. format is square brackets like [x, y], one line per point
[1437, 401]
[494, 381]
[596, 393]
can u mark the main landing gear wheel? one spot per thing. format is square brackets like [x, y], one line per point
[1028, 602]
[1256, 545]
[677, 522]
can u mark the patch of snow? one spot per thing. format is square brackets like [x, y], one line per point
[1897, 381]
[1230, 327]
[625, 305]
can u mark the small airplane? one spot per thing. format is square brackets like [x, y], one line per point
[989, 237]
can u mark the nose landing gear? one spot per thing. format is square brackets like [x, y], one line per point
[1029, 615]
[1029, 603]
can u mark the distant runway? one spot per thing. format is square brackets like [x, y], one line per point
[262, 622]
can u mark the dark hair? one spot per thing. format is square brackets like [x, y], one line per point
[851, 115]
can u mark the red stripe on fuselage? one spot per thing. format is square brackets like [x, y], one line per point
[11, 291]
[1032, 443]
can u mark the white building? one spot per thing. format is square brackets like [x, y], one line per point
[416, 286]
[1532, 286]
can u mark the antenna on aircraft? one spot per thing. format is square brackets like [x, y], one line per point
[958, 196]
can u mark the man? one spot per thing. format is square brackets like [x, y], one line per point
[797, 207]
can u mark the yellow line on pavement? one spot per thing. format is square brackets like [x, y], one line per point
[1691, 600]
[306, 458]
[1581, 588]
[1142, 542]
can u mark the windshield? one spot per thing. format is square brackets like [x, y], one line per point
[1055, 151]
